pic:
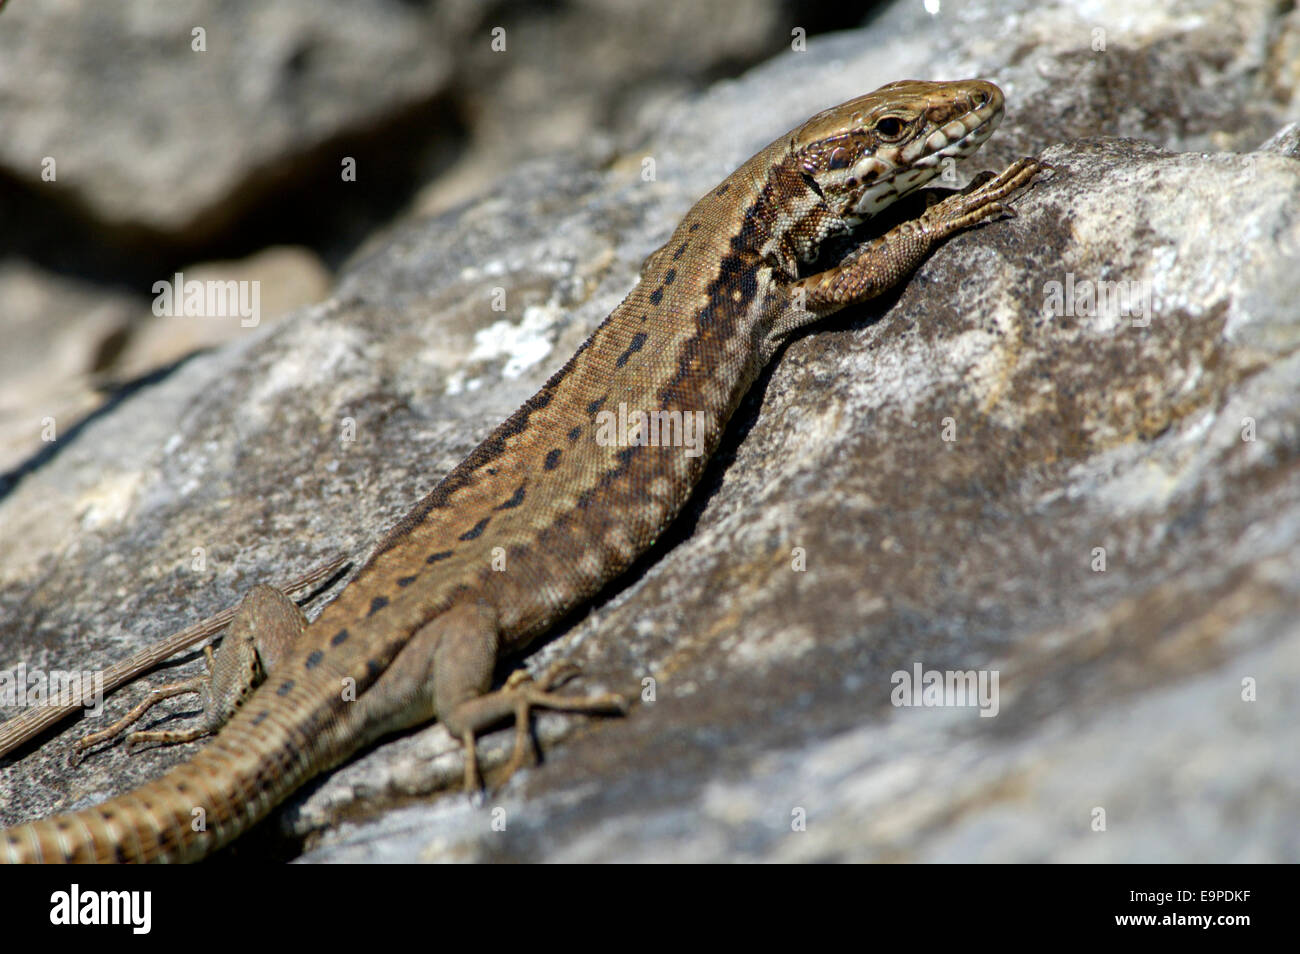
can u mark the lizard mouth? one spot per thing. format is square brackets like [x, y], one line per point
[960, 135]
[895, 173]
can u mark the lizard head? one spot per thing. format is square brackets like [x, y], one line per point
[862, 155]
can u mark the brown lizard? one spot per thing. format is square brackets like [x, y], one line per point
[418, 633]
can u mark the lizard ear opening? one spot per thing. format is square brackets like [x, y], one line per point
[812, 183]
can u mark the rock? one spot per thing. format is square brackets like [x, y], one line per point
[165, 130]
[130, 155]
[983, 473]
[271, 284]
[178, 124]
[59, 334]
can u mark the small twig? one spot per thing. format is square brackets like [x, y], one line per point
[14, 732]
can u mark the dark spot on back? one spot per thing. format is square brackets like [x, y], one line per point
[515, 500]
[435, 557]
[339, 638]
[314, 659]
[406, 580]
[378, 603]
[681, 250]
[594, 406]
[260, 717]
[552, 459]
[475, 531]
[722, 189]
[656, 296]
[575, 433]
[633, 347]
[694, 226]
[737, 272]
[285, 688]
[374, 668]
[480, 459]
[669, 276]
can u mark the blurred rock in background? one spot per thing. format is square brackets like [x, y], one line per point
[140, 139]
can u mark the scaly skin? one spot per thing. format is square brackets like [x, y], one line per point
[419, 630]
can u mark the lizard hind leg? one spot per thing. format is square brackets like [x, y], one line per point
[196, 684]
[458, 656]
[517, 698]
[265, 626]
[445, 672]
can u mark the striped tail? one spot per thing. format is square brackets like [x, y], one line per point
[191, 811]
[254, 763]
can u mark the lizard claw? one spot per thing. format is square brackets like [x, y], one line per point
[520, 695]
[557, 674]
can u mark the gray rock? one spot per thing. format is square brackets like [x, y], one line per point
[150, 132]
[947, 464]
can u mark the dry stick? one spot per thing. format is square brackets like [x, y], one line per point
[15, 731]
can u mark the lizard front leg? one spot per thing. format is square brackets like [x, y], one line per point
[878, 265]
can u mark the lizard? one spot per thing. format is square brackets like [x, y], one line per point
[418, 633]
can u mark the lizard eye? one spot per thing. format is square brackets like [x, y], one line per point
[889, 128]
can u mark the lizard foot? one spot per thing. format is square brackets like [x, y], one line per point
[90, 740]
[518, 697]
[983, 201]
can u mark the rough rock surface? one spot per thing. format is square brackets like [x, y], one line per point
[1102, 508]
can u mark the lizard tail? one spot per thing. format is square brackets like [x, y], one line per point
[185, 814]
[255, 762]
